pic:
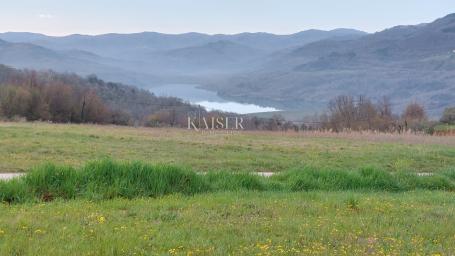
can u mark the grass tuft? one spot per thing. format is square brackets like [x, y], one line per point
[107, 179]
[226, 181]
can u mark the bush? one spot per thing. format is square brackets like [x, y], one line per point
[448, 117]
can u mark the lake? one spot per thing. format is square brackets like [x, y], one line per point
[208, 99]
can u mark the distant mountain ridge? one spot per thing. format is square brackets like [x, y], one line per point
[405, 63]
[151, 58]
[30, 56]
[154, 41]
[290, 72]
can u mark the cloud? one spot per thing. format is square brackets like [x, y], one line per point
[45, 16]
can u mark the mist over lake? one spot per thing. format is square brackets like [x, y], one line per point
[207, 99]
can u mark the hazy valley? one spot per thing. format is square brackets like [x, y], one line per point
[301, 71]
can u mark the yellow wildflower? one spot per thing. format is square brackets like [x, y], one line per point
[101, 219]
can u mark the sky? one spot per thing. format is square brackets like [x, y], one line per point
[63, 17]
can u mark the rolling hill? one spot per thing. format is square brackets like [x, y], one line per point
[301, 71]
[150, 58]
[405, 63]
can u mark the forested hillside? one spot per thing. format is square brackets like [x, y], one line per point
[403, 63]
[47, 95]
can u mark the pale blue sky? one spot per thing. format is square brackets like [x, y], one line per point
[61, 17]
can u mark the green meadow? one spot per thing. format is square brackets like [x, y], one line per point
[26, 145]
[109, 190]
[236, 223]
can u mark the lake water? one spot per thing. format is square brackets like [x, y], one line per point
[208, 99]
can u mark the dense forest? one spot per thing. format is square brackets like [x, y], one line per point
[51, 96]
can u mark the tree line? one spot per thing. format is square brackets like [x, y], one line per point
[69, 98]
[56, 102]
[349, 113]
[361, 113]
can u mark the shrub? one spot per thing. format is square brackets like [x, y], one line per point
[448, 116]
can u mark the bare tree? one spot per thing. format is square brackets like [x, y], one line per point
[385, 107]
[14, 101]
[362, 114]
[414, 112]
[94, 109]
[342, 112]
[366, 113]
[60, 98]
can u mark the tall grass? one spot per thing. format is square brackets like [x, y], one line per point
[366, 179]
[108, 179]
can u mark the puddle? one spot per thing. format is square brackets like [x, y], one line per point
[9, 176]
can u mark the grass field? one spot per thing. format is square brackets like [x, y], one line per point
[236, 223]
[190, 194]
[24, 145]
